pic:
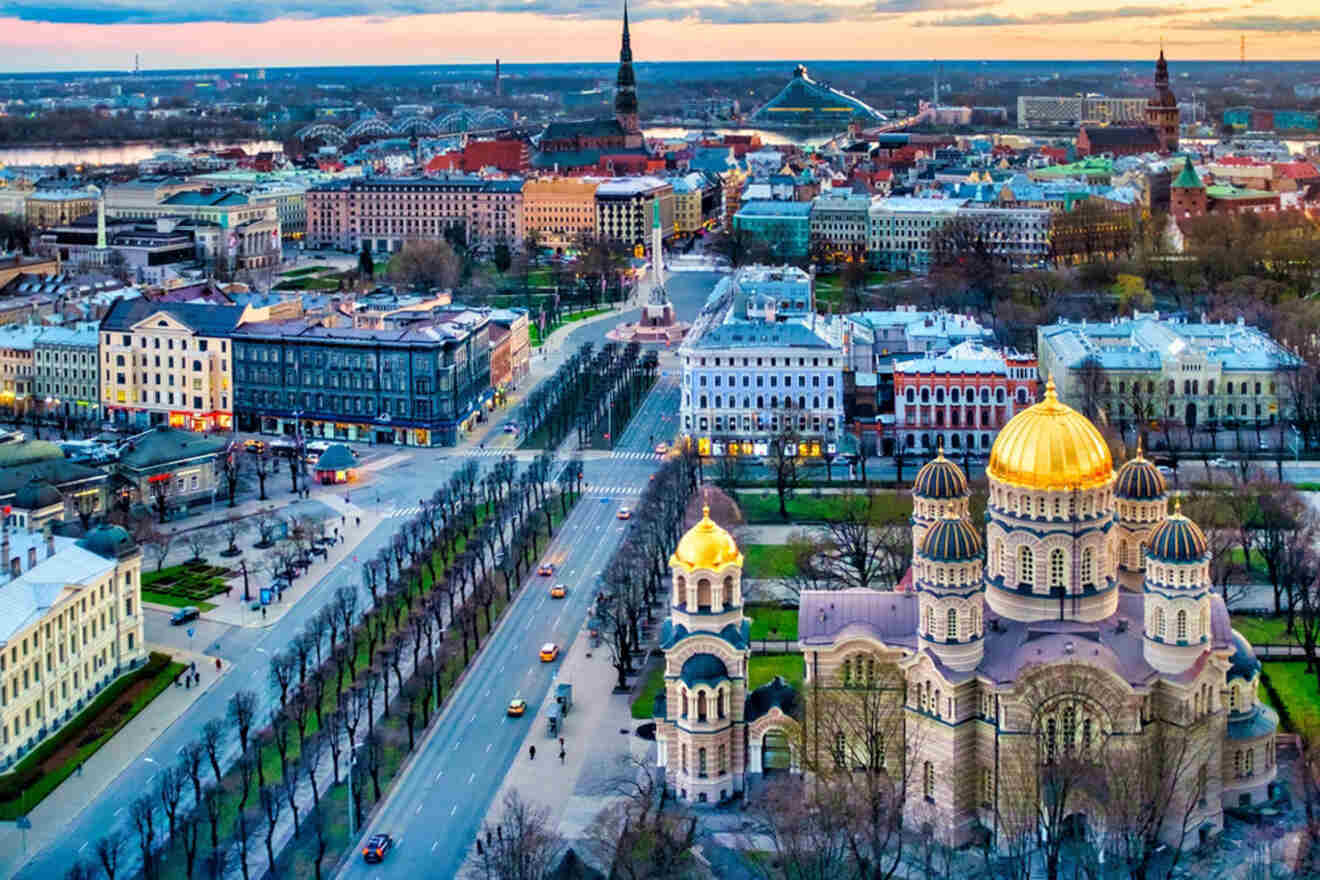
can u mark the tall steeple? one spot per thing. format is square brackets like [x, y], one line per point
[625, 94]
[1162, 108]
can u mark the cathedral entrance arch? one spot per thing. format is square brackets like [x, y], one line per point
[1190, 418]
[776, 754]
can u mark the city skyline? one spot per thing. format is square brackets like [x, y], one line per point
[91, 34]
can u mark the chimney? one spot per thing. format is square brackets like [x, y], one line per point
[4, 543]
[50, 541]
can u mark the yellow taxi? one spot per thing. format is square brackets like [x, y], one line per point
[549, 651]
[558, 591]
[546, 569]
[517, 707]
[661, 448]
[257, 446]
[624, 513]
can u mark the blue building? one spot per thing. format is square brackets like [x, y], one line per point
[785, 227]
[805, 103]
[418, 385]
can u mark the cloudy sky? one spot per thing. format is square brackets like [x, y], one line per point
[82, 34]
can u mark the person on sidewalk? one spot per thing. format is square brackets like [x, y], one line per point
[531, 753]
[561, 756]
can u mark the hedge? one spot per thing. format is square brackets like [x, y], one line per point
[27, 775]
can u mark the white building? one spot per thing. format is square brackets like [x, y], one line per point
[902, 230]
[750, 369]
[70, 623]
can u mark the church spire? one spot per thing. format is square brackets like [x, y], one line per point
[625, 85]
[625, 51]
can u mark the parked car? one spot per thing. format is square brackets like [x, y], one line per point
[1221, 463]
[183, 615]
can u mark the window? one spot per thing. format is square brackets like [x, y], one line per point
[929, 626]
[840, 750]
[701, 763]
[928, 781]
[1180, 625]
[1088, 567]
[987, 787]
[1026, 565]
[1058, 577]
[1159, 623]
[951, 626]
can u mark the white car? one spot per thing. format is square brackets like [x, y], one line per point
[1221, 463]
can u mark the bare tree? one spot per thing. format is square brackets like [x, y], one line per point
[272, 805]
[199, 541]
[212, 803]
[169, 788]
[242, 712]
[158, 544]
[642, 834]
[191, 758]
[142, 813]
[810, 829]
[282, 671]
[190, 825]
[262, 466]
[110, 852]
[522, 845]
[232, 467]
[213, 737]
[233, 529]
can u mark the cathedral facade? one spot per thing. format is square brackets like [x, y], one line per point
[1080, 629]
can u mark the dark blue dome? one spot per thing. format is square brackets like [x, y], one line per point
[951, 540]
[940, 478]
[1177, 539]
[775, 693]
[1243, 664]
[703, 669]
[1139, 480]
[112, 542]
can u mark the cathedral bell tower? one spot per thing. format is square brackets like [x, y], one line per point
[1162, 108]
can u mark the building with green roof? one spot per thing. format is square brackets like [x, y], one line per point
[805, 103]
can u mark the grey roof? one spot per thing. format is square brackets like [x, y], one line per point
[451, 326]
[1141, 343]
[37, 494]
[55, 471]
[29, 596]
[205, 319]
[824, 616]
[166, 445]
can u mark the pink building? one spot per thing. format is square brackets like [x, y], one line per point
[961, 398]
[388, 211]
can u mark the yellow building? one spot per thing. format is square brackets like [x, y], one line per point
[58, 207]
[688, 218]
[73, 624]
[561, 209]
[169, 363]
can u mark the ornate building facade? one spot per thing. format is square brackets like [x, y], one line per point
[1080, 631]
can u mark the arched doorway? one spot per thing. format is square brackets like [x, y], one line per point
[776, 756]
[1190, 419]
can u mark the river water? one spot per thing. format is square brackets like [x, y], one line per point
[767, 137]
[117, 154]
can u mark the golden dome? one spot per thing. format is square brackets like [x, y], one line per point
[1050, 446]
[707, 546]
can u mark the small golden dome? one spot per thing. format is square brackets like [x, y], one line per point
[707, 546]
[1050, 446]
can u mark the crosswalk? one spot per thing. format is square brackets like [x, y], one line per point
[608, 491]
[402, 512]
[634, 456]
[489, 453]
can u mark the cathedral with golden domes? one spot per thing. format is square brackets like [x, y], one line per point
[1083, 627]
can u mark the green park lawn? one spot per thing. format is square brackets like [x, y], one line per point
[761, 668]
[1263, 630]
[1257, 560]
[1297, 691]
[763, 507]
[175, 601]
[764, 617]
[768, 561]
[302, 270]
[645, 702]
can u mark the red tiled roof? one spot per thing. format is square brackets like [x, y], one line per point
[1295, 170]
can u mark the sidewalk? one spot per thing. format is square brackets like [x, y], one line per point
[61, 806]
[354, 524]
[575, 790]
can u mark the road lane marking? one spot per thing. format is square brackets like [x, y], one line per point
[474, 715]
[454, 810]
[488, 746]
[118, 811]
[438, 775]
[84, 846]
[472, 777]
[437, 843]
[457, 744]
[418, 811]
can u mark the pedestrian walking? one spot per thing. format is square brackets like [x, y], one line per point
[561, 756]
[80, 763]
[217, 664]
[531, 753]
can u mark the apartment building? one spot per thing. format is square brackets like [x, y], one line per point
[65, 373]
[386, 212]
[560, 210]
[624, 207]
[55, 207]
[168, 363]
[72, 625]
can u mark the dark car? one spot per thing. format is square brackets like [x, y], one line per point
[183, 615]
[376, 847]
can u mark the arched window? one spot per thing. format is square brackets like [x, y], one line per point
[1180, 625]
[1123, 553]
[701, 705]
[840, 750]
[1058, 569]
[703, 594]
[976, 622]
[701, 763]
[928, 781]
[847, 671]
[1026, 565]
[1159, 623]
[723, 766]
[682, 751]
[1234, 698]
[951, 626]
[1088, 568]
[1005, 564]
[929, 626]
[1051, 740]
[719, 703]
[685, 703]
